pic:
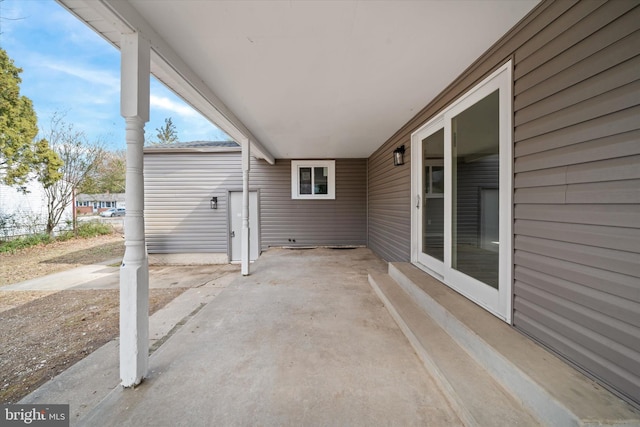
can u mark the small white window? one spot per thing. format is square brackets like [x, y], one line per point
[313, 179]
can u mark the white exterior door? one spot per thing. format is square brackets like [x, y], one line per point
[462, 221]
[235, 232]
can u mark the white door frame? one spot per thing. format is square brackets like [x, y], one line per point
[434, 266]
[497, 301]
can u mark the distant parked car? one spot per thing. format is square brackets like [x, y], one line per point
[113, 212]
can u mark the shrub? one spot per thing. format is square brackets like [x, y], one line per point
[24, 242]
[86, 230]
[93, 229]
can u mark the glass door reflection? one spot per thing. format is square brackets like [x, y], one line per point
[433, 195]
[475, 190]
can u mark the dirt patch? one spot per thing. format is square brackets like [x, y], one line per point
[41, 260]
[42, 333]
[40, 338]
[9, 300]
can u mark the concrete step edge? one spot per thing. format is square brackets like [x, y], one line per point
[475, 396]
[549, 408]
[453, 399]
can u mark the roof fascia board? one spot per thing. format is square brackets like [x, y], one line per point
[170, 69]
[172, 78]
[171, 63]
[203, 99]
[104, 12]
[216, 150]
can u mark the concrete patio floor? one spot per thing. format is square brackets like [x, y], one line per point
[303, 340]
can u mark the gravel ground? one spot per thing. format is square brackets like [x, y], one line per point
[42, 333]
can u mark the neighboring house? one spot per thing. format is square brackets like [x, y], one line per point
[520, 187]
[23, 211]
[96, 203]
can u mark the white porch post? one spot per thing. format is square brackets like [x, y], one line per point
[246, 166]
[134, 272]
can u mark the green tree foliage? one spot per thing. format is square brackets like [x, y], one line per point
[108, 176]
[49, 164]
[166, 134]
[79, 159]
[18, 127]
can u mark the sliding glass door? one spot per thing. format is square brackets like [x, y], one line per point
[461, 179]
[475, 164]
[430, 201]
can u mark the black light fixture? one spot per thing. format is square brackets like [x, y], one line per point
[398, 156]
[214, 203]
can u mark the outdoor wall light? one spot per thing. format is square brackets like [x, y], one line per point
[398, 156]
[214, 203]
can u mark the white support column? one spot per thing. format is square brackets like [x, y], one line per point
[246, 244]
[134, 272]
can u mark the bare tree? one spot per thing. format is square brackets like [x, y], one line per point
[108, 176]
[79, 158]
[166, 134]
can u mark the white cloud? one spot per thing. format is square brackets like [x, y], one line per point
[94, 76]
[165, 103]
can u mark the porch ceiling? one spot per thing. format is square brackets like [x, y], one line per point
[308, 79]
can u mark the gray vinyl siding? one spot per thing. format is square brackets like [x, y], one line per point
[339, 222]
[389, 204]
[576, 183]
[577, 190]
[178, 218]
[178, 187]
[389, 233]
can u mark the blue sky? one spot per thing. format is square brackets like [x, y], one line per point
[69, 69]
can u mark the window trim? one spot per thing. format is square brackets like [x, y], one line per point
[331, 181]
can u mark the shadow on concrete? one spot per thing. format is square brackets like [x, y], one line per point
[92, 255]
